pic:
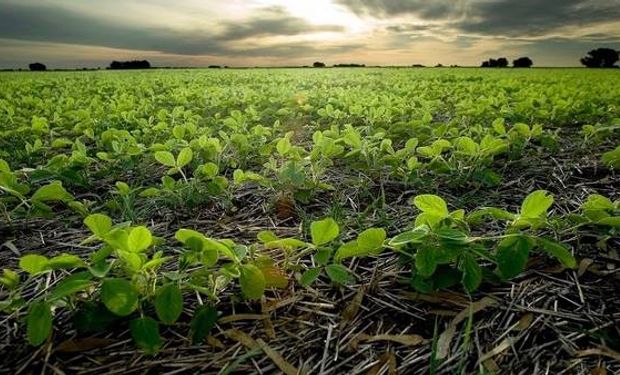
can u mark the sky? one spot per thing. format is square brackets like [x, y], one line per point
[91, 33]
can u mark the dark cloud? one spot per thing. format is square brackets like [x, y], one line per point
[536, 17]
[513, 18]
[54, 24]
[427, 9]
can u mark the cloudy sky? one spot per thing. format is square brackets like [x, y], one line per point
[77, 33]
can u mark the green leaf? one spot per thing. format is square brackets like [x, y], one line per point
[252, 281]
[33, 263]
[472, 273]
[266, 236]
[286, 243]
[610, 221]
[38, 323]
[347, 250]
[558, 251]
[166, 158]
[322, 256]
[536, 204]
[612, 158]
[425, 261]
[202, 323]
[169, 303]
[512, 255]
[371, 240]
[185, 157]
[71, 285]
[339, 274]
[64, 261]
[139, 239]
[119, 296]
[9, 278]
[415, 235]
[432, 205]
[51, 193]
[117, 238]
[309, 276]
[99, 224]
[145, 332]
[324, 231]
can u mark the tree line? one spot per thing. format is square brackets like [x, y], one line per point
[596, 58]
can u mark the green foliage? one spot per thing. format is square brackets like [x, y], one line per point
[145, 333]
[203, 322]
[169, 303]
[416, 130]
[39, 323]
[324, 231]
[119, 296]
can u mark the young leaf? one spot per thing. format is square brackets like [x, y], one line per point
[309, 277]
[322, 256]
[119, 296]
[75, 283]
[339, 274]
[33, 263]
[202, 323]
[64, 261]
[139, 239]
[99, 224]
[432, 205]
[52, 192]
[425, 261]
[38, 323]
[145, 332]
[185, 157]
[252, 281]
[512, 256]
[472, 273]
[347, 250]
[324, 231]
[169, 303]
[166, 158]
[536, 204]
[371, 240]
[558, 251]
[415, 235]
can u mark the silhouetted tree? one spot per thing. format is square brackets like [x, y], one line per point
[214, 67]
[37, 67]
[349, 65]
[523, 62]
[318, 64]
[600, 58]
[502, 62]
[135, 64]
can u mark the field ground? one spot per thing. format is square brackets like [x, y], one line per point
[278, 149]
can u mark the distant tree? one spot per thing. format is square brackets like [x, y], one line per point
[214, 67]
[417, 66]
[134, 64]
[350, 65]
[319, 64]
[439, 65]
[523, 62]
[600, 58]
[502, 62]
[37, 67]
